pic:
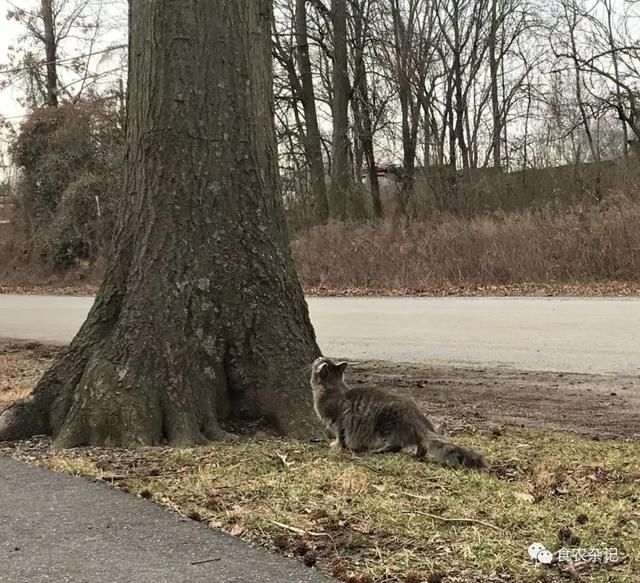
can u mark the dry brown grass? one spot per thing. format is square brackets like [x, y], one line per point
[19, 276]
[389, 518]
[20, 369]
[384, 518]
[580, 247]
[550, 251]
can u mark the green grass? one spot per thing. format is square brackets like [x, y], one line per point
[391, 518]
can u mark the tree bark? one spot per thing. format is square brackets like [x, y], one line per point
[616, 70]
[313, 145]
[362, 106]
[495, 104]
[50, 45]
[408, 68]
[571, 14]
[340, 157]
[460, 102]
[201, 315]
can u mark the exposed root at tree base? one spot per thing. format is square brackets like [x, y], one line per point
[86, 399]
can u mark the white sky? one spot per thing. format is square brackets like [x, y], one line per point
[9, 31]
[115, 11]
[114, 18]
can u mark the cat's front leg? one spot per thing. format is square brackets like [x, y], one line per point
[332, 434]
[338, 442]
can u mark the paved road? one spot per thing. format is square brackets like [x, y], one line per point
[588, 335]
[63, 529]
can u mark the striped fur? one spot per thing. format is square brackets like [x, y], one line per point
[377, 421]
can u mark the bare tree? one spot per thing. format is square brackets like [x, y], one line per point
[616, 63]
[475, 84]
[495, 99]
[313, 139]
[340, 158]
[50, 45]
[51, 28]
[365, 109]
[408, 55]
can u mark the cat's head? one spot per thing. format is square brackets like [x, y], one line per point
[325, 372]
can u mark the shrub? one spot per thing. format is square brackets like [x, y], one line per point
[546, 245]
[70, 159]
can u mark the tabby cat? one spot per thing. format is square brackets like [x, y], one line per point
[377, 421]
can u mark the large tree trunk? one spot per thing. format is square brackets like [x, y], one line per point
[50, 45]
[201, 315]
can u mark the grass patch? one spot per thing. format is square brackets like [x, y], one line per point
[576, 251]
[390, 518]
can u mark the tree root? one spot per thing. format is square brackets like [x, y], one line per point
[23, 420]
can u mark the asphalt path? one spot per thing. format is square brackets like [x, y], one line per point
[61, 529]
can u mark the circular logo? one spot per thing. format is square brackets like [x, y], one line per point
[535, 549]
[545, 557]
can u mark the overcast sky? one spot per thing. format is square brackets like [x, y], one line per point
[116, 10]
[9, 31]
[114, 18]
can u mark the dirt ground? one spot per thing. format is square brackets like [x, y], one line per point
[591, 405]
[459, 399]
[21, 365]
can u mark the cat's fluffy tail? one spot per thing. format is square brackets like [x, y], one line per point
[449, 453]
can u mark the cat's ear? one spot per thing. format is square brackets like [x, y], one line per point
[323, 370]
[341, 366]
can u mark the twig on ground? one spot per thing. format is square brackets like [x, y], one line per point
[571, 570]
[203, 561]
[298, 530]
[419, 497]
[458, 520]
[121, 477]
